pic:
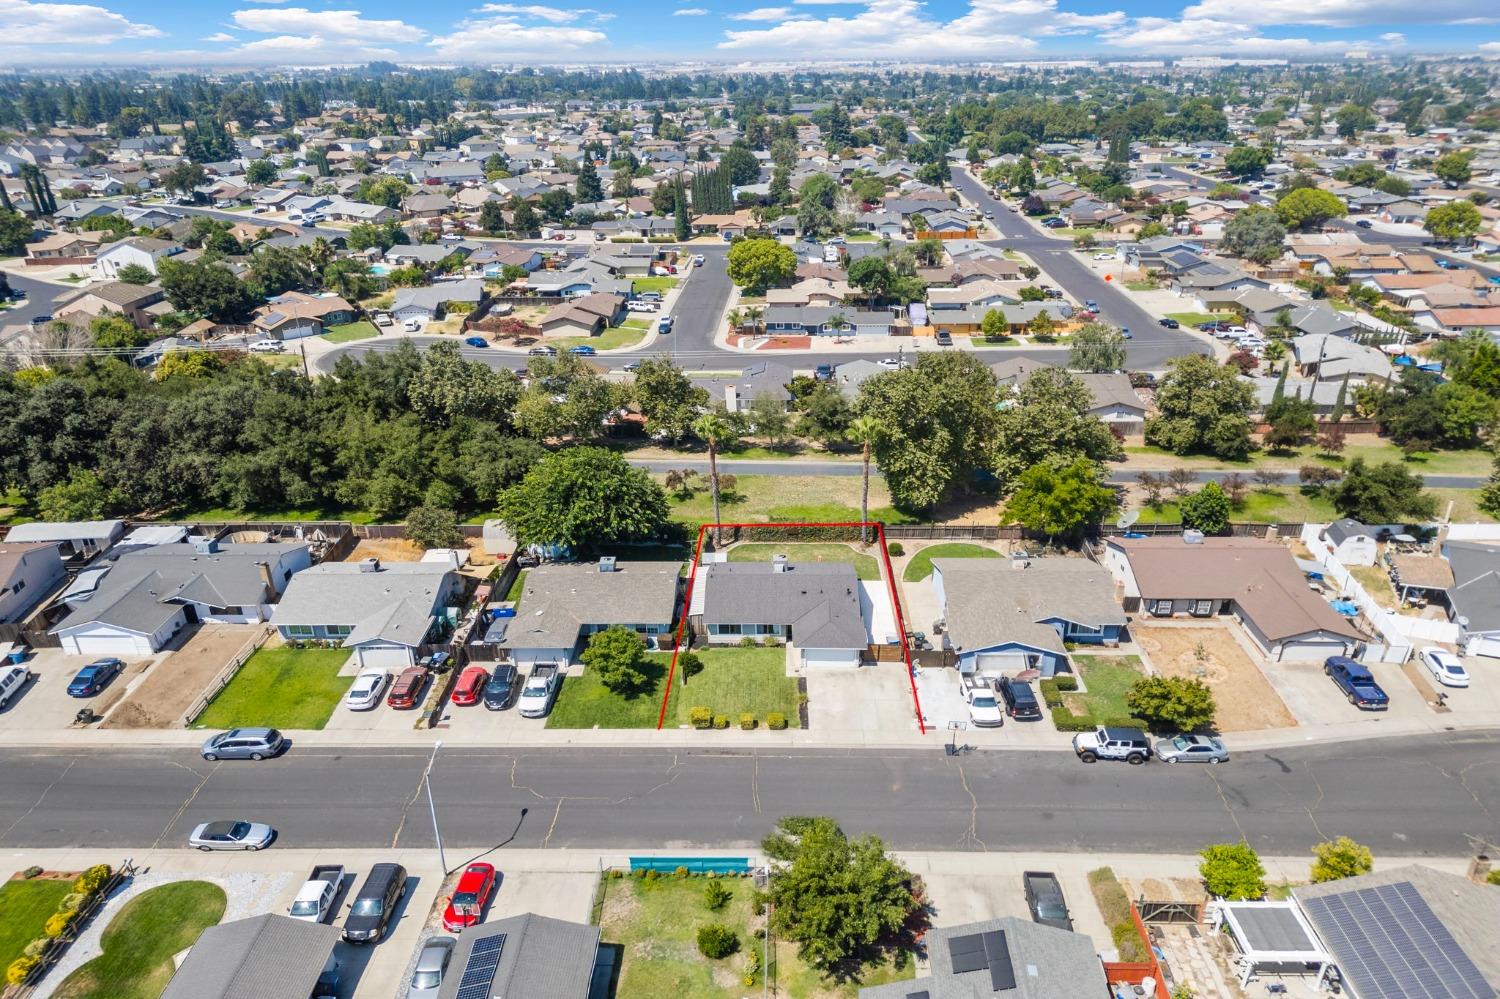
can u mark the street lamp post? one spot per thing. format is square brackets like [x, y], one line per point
[432, 808]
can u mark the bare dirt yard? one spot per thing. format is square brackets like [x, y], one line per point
[387, 550]
[1247, 702]
[174, 683]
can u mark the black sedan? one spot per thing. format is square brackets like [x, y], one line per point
[94, 677]
[501, 688]
[1170, 324]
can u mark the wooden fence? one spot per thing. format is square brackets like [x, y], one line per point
[226, 674]
[59, 945]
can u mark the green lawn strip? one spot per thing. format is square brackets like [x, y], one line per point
[735, 681]
[657, 283]
[584, 702]
[656, 922]
[1195, 318]
[1114, 906]
[281, 688]
[788, 497]
[865, 566]
[1475, 461]
[217, 514]
[1108, 679]
[139, 942]
[24, 908]
[920, 567]
[361, 330]
[1141, 285]
[611, 339]
[518, 587]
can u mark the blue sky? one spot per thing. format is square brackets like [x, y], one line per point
[321, 32]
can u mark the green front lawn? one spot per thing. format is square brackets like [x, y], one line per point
[1374, 450]
[1195, 318]
[788, 498]
[630, 333]
[1141, 285]
[1108, 679]
[659, 283]
[140, 941]
[24, 908]
[920, 567]
[584, 702]
[281, 688]
[655, 922]
[736, 680]
[865, 566]
[361, 330]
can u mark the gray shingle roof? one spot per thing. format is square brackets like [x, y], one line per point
[395, 604]
[1476, 583]
[264, 957]
[819, 601]
[990, 603]
[1045, 962]
[558, 600]
[542, 958]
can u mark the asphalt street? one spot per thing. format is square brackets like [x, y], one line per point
[1437, 795]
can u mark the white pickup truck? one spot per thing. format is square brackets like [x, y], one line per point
[540, 690]
[314, 901]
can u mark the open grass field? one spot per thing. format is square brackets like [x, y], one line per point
[141, 939]
[216, 514]
[865, 566]
[1371, 448]
[789, 498]
[24, 908]
[920, 566]
[361, 330]
[281, 688]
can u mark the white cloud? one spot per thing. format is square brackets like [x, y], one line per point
[327, 25]
[763, 14]
[532, 11]
[1197, 36]
[1490, 47]
[66, 23]
[488, 39]
[690, 12]
[826, 3]
[1330, 13]
[220, 36]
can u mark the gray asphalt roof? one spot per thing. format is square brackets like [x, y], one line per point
[1273, 928]
[263, 957]
[990, 603]
[819, 601]
[395, 604]
[1045, 962]
[75, 530]
[1476, 583]
[559, 599]
[542, 958]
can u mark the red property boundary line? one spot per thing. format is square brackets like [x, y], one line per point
[890, 579]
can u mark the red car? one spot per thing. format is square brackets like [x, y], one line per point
[406, 692]
[470, 685]
[466, 907]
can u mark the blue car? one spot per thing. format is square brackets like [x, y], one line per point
[1357, 683]
[476, 341]
[94, 677]
[1126, 334]
[584, 350]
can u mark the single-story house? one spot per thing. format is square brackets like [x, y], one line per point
[64, 248]
[133, 301]
[563, 604]
[29, 573]
[143, 251]
[430, 301]
[297, 314]
[1114, 400]
[85, 538]
[1006, 958]
[1001, 616]
[1256, 582]
[758, 380]
[530, 955]
[812, 606]
[826, 320]
[586, 315]
[1474, 598]
[359, 211]
[270, 956]
[382, 611]
[1351, 542]
[152, 592]
[1332, 358]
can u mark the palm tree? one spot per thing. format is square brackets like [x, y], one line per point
[321, 253]
[865, 431]
[736, 319]
[713, 428]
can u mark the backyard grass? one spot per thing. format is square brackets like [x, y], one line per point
[920, 567]
[1374, 450]
[140, 941]
[655, 923]
[1108, 679]
[735, 681]
[361, 330]
[788, 498]
[865, 566]
[223, 514]
[518, 587]
[24, 908]
[281, 688]
[1282, 505]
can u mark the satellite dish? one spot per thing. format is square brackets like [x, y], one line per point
[1127, 520]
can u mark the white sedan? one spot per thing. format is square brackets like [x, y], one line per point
[364, 693]
[231, 836]
[1445, 667]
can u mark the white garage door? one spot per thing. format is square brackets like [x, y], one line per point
[1484, 647]
[830, 658]
[108, 645]
[1310, 651]
[385, 655]
[1000, 662]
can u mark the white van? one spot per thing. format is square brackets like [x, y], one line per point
[12, 679]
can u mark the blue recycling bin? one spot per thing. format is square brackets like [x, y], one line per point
[17, 656]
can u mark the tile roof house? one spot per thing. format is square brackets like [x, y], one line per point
[382, 611]
[1256, 582]
[563, 604]
[1002, 616]
[1007, 958]
[815, 607]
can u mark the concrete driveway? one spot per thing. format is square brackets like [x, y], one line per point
[860, 704]
[45, 704]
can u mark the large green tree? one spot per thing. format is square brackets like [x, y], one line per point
[1096, 347]
[1381, 494]
[1255, 233]
[1203, 408]
[584, 497]
[1049, 418]
[617, 657]
[757, 264]
[207, 289]
[1457, 221]
[667, 399]
[1307, 207]
[1060, 496]
[1232, 871]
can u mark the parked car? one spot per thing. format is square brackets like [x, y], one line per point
[542, 352]
[476, 341]
[1170, 324]
[890, 362]
[41, 320]
[470, 683]
[412, 325]
[943, 338]
[94, 677]
[314, 900]
[664, 324]
[470, 896]
[12, 679]
[244, 744]
[1357, 683]
[267, 347]
[1109, 743]
[984, 710]
[364, 693]
[1126, 334]
[375, 903]
[1365, 224]
[432, 963]
[1445, 667]
[1044, 897]
[406, 692]
[631, 367]
[1019, 699]
[698, 259]
[540, 690]
[1091, 305]
[501, 686]
[823, 373]
[381, 319]
[238, 835]
[583, 350]
[1104, 255]
[1191, 749]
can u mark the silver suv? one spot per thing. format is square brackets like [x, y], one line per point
[244, 744]
[1106, 743]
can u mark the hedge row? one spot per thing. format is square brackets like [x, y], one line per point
[703, 719]
[1114, 906]
[85, 886]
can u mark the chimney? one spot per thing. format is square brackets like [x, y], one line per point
[369, 565]
[267, 578]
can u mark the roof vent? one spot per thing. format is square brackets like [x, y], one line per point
[369, 565]
[606, 563]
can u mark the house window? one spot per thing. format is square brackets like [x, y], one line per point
[1084, 629]
[338, 630]
[726, 629]
[299, 631]
[1203, 608]
[1161, 608]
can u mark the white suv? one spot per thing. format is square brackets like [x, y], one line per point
[1106, 743]
[267, 347]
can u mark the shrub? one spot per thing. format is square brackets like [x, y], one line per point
[616, 873]
[1340, 858]
[1233, 871]
[748, 643]
[776, 721]
[57, 924]
[31, 872]
[1114, 906]
[1493, 877]
[721, 721]
[1066, 721]
[717, 940]
[701, 718]
[37, 947]
[18, 969]
[747, 721]
[72, 901]
[894, 549]
[715, 895]
[1051, 696]
[652, 874]
[1066, 682]
[1172, 702]
[681, 872]
[93, 879]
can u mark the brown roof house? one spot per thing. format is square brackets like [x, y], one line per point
[296, 314]
[64, 248]
[1255, 582]
[587, 315]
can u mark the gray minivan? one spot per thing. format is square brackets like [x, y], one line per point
[244, 744]
[375, 903]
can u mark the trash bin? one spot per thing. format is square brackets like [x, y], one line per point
[17, 656]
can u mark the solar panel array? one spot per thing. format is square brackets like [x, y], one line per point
[1390, 945]
[479, 969]
[983, 952]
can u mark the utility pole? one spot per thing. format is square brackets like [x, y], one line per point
[432, 808]
[309, 377]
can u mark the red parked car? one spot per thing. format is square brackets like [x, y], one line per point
[474, 889]
[470, 685]
[406, 692]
